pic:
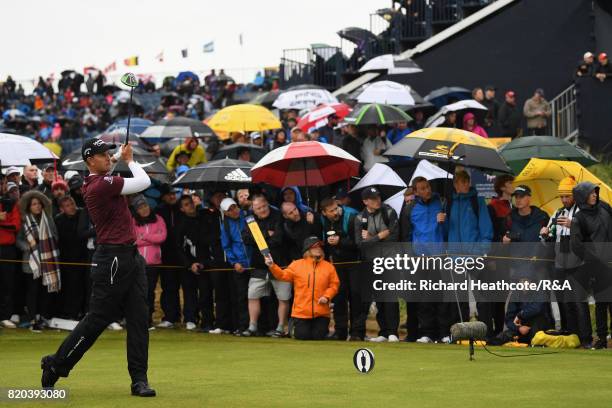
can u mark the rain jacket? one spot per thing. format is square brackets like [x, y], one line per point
[425, 231]
[10, 226]
[149, 238]
[475, 129]
[531, 110]
[500, 209]
[395, 135]
[527, 227]
[196, 156]
[231, 240]
[592, 224]
[310, 281]
[346, 250]
[463, 225]
[299, 201]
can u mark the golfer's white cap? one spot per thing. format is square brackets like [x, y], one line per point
[227, 203]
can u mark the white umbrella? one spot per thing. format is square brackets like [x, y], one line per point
[424, 169]
[435, 121]
[18, 150]
[303, 99]
[382, 176]
[392, 64]
[387, 92]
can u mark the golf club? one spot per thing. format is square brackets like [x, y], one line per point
[130, 81]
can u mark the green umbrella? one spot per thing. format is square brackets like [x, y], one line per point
[377, 114]
[518, 152]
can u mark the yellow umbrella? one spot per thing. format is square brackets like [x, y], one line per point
[243, 118]
[54, 147]
[543, 177]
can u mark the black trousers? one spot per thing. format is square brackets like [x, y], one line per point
[492, 314]
[412, 321]
[435, 319]
[310, 329]
[38, 300]
[152, 278]
[359, 306]
[574, 309]
[74, 290]
[170, 279]
[7, 280]
[341, 304]
[239, 300]
[214, 299]
[387, 318]
[602, 286]
[119, 288]
[189, 284]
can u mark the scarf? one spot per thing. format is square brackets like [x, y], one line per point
[43, 252]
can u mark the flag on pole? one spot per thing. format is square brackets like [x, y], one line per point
[131, 61]
[209, 47]
[184, 53]
[160, 57]
[240, 39]
[110, 67]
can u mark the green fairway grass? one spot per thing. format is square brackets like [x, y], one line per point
[204, 370]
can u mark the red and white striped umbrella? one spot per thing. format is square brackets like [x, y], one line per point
[305, 164]
[318, 117]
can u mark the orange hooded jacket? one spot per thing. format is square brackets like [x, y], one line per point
[310, 281]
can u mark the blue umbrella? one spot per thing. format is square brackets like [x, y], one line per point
[137, 126]
[447, 95]
[182, 76]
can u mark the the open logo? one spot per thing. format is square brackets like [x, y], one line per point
[363, 360]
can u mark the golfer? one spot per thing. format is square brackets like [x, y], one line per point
[119, 284]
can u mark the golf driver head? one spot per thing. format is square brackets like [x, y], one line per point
[129, 79]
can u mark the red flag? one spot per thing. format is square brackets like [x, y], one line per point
[111, 67]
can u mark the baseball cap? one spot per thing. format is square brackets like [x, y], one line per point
[602, 56]
[95, 146]
[540, 91]
[370, 192]
[12, 170]
[226, 203]
[510, 93]
[10, 185]
[522, 190]
[588, 54]
[255, 135]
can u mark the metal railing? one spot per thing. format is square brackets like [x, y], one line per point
[564, 118]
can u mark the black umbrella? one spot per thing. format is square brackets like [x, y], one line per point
[150, 163]
[232, 151]
[357, 35]
[265, 98]
[226, 174]
[198, 128]
[447, 95]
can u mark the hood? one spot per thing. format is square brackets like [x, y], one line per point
[581, 193]
[299, 203]
[467, 117]
[470, 193]
[24, 202]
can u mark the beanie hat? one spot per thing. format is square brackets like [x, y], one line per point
[566, 185]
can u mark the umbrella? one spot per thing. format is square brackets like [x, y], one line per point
[198, 128]
[265, 98]
[18, 150]
[518, 152]
[377, 114]
[447, 94]
[543, 177]
[357, 35]
[231, 151]
[423, 169]
[150, 163]
[12, 114]
[168, 147]
[137, 125]
[304, 97]
[451, 146]
[118, 137]
[226, 174]
[157, 133]
[244, 118]
[461, 106]
[389, 92]
[182, 76]
[391, 64]
[305, 164]
[382, 176]
[318, 116]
